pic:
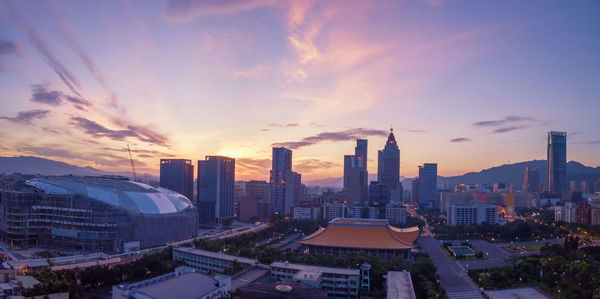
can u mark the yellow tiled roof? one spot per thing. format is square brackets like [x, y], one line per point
[375, 237]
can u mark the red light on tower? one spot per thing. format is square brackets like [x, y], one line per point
[283, 181]
[391, 141]
[359, 157]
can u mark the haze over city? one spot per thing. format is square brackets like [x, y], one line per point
[465, 85]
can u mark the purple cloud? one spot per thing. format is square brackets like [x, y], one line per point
[349, 134]
[460, 139]
[97, 130]
[26, 117]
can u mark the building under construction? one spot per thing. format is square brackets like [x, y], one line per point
[92, 214]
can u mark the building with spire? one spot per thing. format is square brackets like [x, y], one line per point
[388, 167]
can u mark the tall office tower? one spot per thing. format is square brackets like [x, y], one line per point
[178, 175]
[355, 174]
[360, 151]
[557, 162]
[388, 173]
[531, 181]
[282, 163]
[293, 190]
[216, 179]
[415, 190]
[388, 168]
[428, 186]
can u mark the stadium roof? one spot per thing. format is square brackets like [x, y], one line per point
[132, 196]
[362, 233]
[189, 285]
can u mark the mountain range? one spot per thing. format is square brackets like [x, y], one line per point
[507, 173]
[37, 165]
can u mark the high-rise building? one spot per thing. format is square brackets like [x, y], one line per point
[216, 179]
[360, 151]
[178, 175]
[355, 174]
[531, 181]
[282, 163]
[387, 188]
[388, 167]
[428, 197]
[557, 162]
[293, 190]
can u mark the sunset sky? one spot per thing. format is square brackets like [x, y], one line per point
[466, 84]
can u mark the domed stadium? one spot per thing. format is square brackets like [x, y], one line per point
[90, 214]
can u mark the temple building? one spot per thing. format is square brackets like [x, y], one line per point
[375, 237]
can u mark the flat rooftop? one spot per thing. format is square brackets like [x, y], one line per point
[315, 269]
[190, 285]
[221, 256]
[399, 285]
[516, 293]
[358, 222]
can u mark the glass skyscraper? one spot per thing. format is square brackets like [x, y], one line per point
[281, 164]
[356, 175]
[428, 186]
[178, 175]
[216, 179]
[557, 162]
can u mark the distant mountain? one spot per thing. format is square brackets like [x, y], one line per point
[514, 173]
[37, 165]
[507, 173]
[339, 182]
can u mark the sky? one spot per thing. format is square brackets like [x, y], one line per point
[465, 84]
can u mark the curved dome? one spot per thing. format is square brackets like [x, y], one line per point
[132, 196]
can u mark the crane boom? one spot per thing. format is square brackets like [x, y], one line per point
[131, 160]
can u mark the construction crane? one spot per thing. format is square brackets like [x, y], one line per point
[131, 160]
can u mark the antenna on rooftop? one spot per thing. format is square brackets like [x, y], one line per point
[131, 160]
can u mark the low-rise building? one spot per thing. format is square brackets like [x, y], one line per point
[473, 213]
[333, 210]
[566, 213]
[395, 213]
[312, 213]
[208, 261]
[337, 282]
[183, 283]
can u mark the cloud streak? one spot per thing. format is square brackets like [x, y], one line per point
[42, 47]
[187, 10]
[8, 48]
[97, 130]
[460, 139]
[345, 135]
[508, 124]
[27, 117]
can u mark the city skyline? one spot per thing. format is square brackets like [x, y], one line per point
[464, 86]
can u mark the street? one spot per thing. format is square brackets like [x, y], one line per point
[453, 277]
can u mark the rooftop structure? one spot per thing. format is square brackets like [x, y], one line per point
[279, 290]
[399, 285]
[373, 236]
[184, 283]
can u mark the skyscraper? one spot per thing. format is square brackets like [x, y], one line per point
[178, 175]
[282, 163]
[355, 174]
[388, 167]
[293, 190]
[216, 179]
[557, 162]
[428, 186]
[531, 181]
